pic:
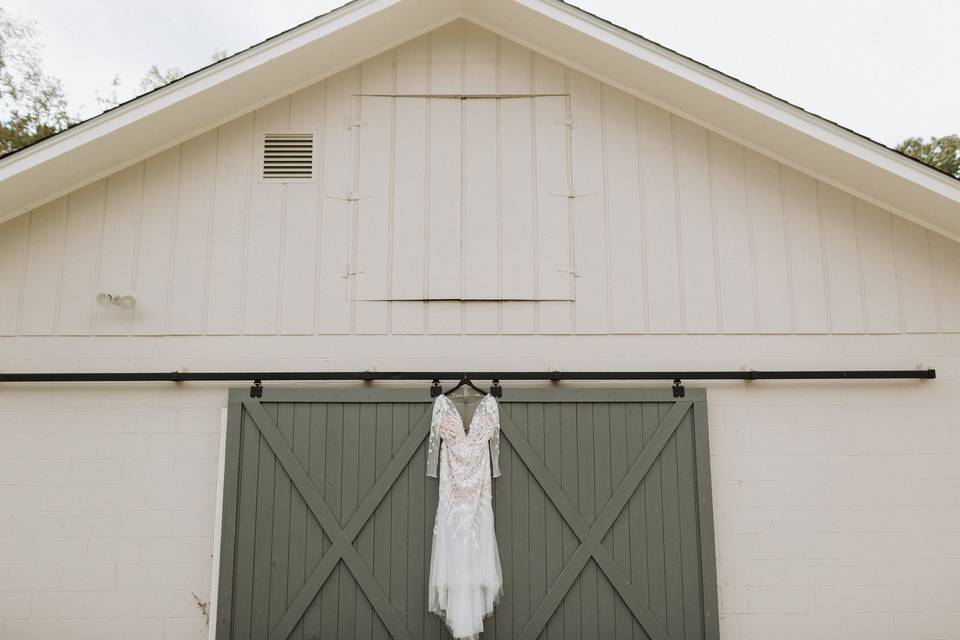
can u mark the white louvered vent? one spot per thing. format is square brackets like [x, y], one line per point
[287, 156]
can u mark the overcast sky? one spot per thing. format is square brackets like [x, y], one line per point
[885, 68]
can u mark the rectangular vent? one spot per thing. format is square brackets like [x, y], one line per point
[288, 156]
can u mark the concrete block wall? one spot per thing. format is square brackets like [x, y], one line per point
[836, 505]
[107, 501]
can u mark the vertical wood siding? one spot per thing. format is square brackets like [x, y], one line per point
[588, 212]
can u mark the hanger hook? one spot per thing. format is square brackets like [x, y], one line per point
[435, 388]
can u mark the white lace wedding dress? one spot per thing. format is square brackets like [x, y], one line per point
[465, 576]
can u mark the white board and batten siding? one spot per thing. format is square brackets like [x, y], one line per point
[565, 209]
[575, 208]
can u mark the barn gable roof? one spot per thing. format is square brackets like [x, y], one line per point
[316, 49]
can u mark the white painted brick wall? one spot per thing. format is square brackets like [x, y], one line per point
[108, 512]
[837, 505]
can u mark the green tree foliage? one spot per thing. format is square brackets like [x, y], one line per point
[940, 153]
[32, 104]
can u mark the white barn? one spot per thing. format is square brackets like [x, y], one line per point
[498, 186]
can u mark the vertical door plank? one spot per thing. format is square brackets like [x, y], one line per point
[480, 231]
[569, 481]
[231, 206]
[803, 230]
[697, 230]
[626, 233]
[280, 547]
[536, 433]
[263, 540]
[879, 268]
[384, 547]
[300, 564]
[689, 530]
[349, 499]
[518, 224]
[13, 256]
[591, 306]
[397, 415]
[160, 188]
[841, 260]
[619, 543]
[673, 561]
[503, 522]
[336, 217]
[417, 533]
[383, 515]
[734, 235]
[371, 437]
[316, 542]
[520, 525]
[410, 257]
[770, 251]
[656, 550]
[80, 257]
[198, 168]
[639, 569]
[587, 488]
[556, 537]
[603, 490]
[246, 529]
[916, 278]
[375, 185]
[298, 284]
[264, 232]
[659, 210]
[121, 217]
[330, 613]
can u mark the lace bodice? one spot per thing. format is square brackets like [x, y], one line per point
[462, 463]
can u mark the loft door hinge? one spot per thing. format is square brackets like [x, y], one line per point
[351, 196]
[572, 272]
[572, 194]
[349, 273]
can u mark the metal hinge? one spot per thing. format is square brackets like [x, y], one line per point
[572, 194]
[348, 273]
[351, 196]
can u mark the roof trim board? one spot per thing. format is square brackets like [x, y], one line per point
[327, 44]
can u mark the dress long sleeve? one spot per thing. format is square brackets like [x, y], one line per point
[433, 443]
[495, 442]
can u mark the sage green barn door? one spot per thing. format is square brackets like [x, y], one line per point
[603, 516]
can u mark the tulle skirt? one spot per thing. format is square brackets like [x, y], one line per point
[465, 576]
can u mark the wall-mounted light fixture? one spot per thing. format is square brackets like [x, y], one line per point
[125, 301]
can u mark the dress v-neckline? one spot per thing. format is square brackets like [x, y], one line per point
[464, 427]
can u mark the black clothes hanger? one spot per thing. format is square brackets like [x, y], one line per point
[466, 382]
[495, 389]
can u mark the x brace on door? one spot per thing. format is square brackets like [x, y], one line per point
[592, 536]
[341, 539]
